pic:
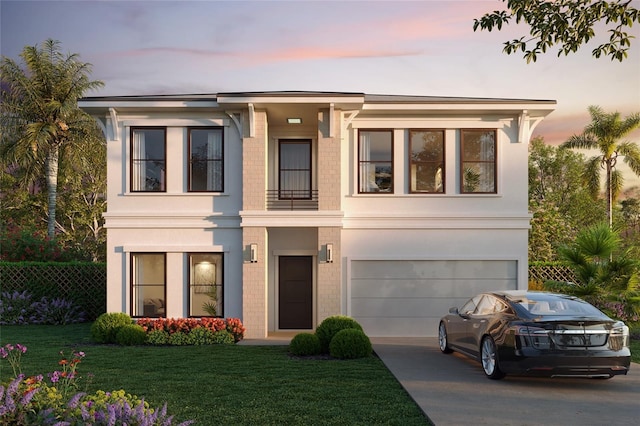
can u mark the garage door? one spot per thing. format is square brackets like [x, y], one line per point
[408, 298]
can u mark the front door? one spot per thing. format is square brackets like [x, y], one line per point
[295, 292]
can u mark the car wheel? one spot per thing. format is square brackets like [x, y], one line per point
[489, 359]
[443, 342]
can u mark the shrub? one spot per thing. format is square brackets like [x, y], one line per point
[57, 312]
[187, 325]
[350, 344]
[18, 308]
[332, 325]
[179, 338]
[201, 336]
[305, 344]
[131, 335]
[223, 337]
[105, 328]
[158, 337]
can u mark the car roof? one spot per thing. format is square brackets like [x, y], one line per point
[520, 294]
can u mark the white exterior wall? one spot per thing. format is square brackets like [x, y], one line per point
[398, 226]
[426, 227]
[174, 222]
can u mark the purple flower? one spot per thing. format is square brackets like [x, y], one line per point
[26, 399]
[54, 377]
[73, 402]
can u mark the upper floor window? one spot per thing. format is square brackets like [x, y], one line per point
[206, 159]
[375, 161]
[205, 284]
[426, 161]
[148, 159]
[294, 169]
[478, 161]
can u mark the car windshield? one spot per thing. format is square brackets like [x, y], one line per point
[557, 305]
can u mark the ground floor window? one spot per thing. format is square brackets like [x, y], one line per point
[205, 285]
[148, 285]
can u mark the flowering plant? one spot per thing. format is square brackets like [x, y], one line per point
[186, 325]
[33, 400]
[13, 354]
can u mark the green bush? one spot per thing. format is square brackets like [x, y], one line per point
[332, 325]
[223, 337]
[350, 344]
[179, 338]
[158, 337]
[305, 344]
[105, 328]
[131, 335]
[201, 336]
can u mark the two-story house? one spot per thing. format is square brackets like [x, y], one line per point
[283, 208]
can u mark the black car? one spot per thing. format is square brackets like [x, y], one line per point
[536, 333]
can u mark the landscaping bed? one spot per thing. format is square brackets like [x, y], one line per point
[226, 384]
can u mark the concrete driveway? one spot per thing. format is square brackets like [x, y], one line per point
[453, 390]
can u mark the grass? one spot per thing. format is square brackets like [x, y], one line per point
[635, 350]
[227, 384]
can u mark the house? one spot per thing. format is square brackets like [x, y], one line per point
[283, 208]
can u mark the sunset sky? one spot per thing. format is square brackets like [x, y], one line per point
[376, 47]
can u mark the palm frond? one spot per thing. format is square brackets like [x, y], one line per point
[583, 141]
[631, 153]
[591, 176]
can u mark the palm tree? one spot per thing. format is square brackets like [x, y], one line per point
[601, 277]
[39, 115]
[604, 134]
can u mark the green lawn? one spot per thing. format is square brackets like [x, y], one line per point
[227, 384]
[635, 350]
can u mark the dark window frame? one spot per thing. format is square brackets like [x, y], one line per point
[133, 285]
[190, 160]
[494, 161]
[190, 284]
[442, 162]
[133, 160]
[362, 162]
[307, 193]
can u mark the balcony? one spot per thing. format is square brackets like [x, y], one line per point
[292, 199]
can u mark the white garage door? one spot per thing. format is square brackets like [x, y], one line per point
[408, 298]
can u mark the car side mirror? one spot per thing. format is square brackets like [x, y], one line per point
[453, 311]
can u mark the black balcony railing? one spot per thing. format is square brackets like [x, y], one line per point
[292, 199]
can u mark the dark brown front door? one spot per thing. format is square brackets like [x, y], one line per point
[295, 292]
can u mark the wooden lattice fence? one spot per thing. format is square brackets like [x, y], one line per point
[84, 284]
[542, 272]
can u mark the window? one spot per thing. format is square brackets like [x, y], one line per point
[148, 290]
[426, 161]
[206, 163]
[295, 170]
[470, 307]
[205, 285]
[478, 158]
[375, 161]
[148, 159]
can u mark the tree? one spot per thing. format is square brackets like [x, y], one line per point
[604, 134]
[607, 276]
[566, 23]
[558, 200]
[39, 115]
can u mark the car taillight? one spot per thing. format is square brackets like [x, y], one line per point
[619, 336]
[534, 336]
